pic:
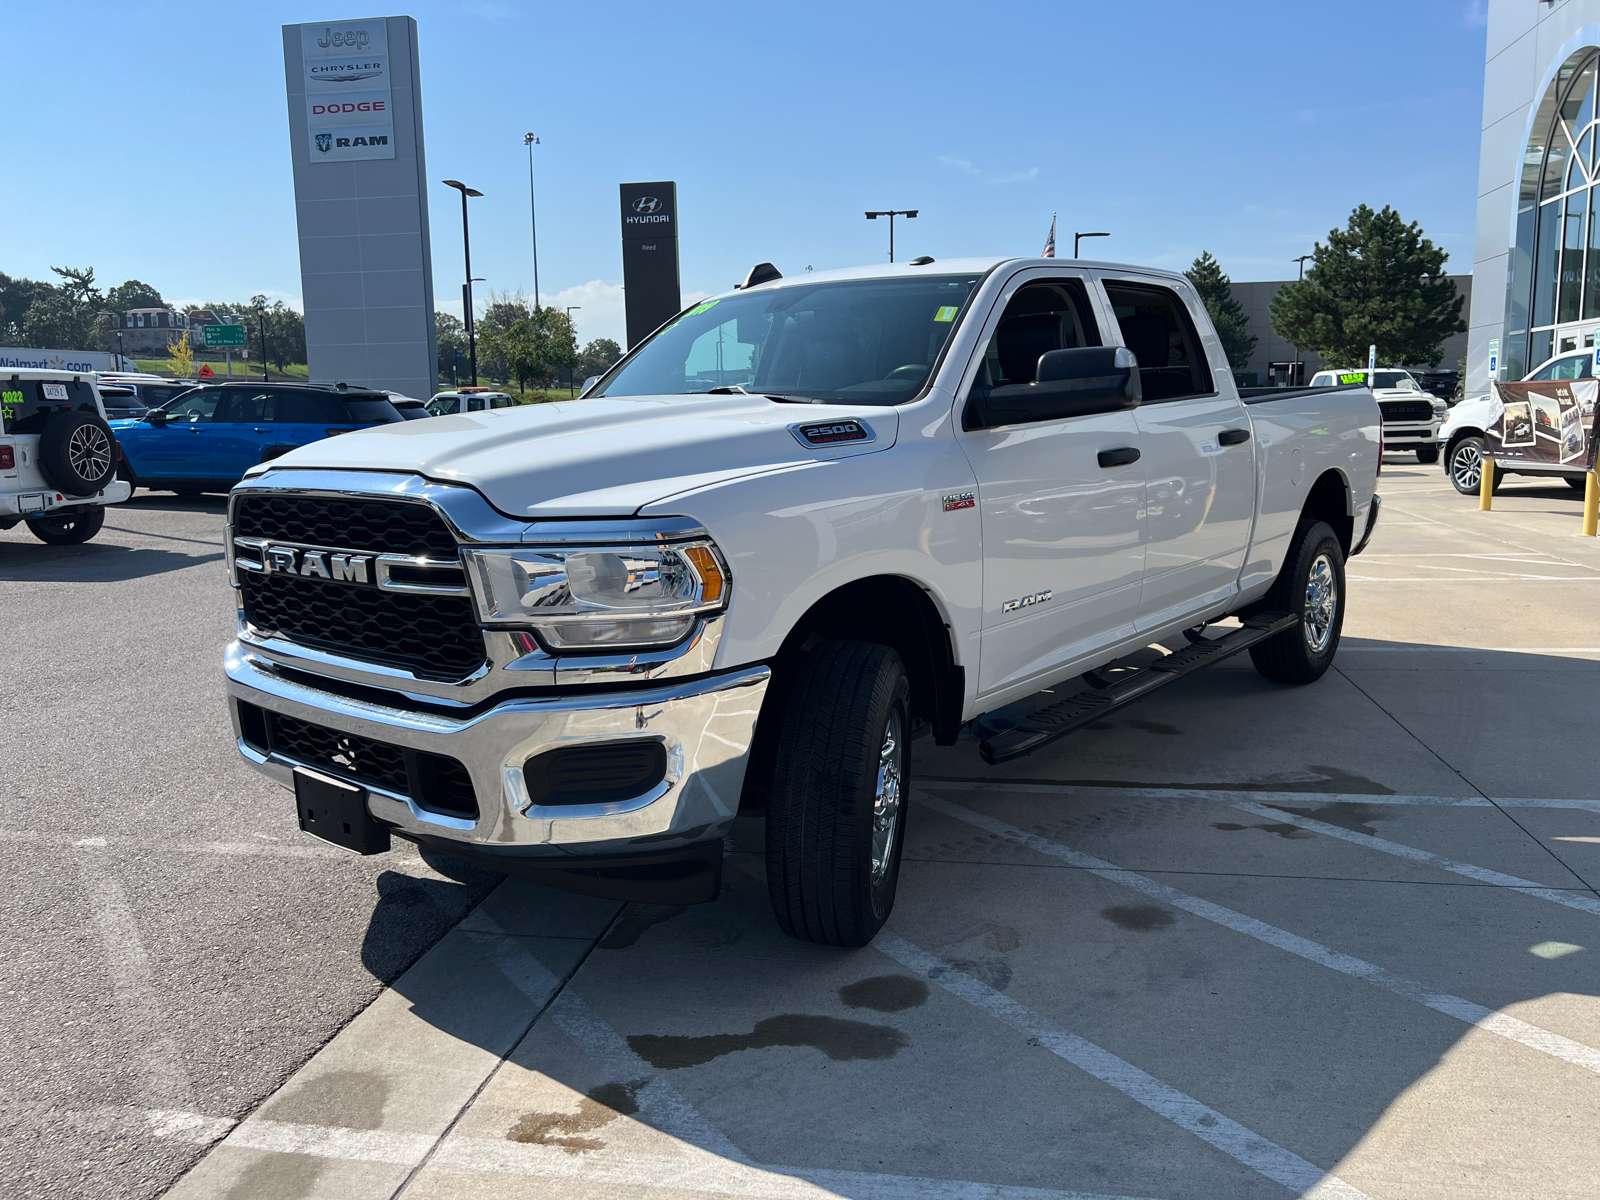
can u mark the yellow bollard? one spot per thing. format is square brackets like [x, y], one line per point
[1591, 505]
[1485, 483]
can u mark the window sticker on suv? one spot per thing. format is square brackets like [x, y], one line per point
[1353, 377]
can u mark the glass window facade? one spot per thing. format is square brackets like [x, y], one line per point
[1553, 290]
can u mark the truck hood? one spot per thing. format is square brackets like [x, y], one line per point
[597, 458]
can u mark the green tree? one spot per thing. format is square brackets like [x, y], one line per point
[60, 321]
[78, 283]
[132, 294]
[452, 338]
[17, 296]
[598, 357]
[1227, 314]
[1377, 282]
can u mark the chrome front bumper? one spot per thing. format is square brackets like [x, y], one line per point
[705, 724]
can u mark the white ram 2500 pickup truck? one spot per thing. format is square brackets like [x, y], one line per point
[799, 525]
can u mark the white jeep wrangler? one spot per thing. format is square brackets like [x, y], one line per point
[58, 457]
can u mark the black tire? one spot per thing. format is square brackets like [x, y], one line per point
[833, 860]
[1304, 653]
[1427, 455]
[68, 528]
[1577, 482]
[77, 453]
[1465, 464]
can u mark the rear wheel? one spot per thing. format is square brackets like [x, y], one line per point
[1427, 454]
[68, 528]
[836, 814]
[1311, 586]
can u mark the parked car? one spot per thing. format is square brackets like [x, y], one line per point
[797, 527]
[206, 438]
[1461, 436]
[58, 456]
[409, 407]
[151, 391]
[467, 399]
[1411, 415]
[120, 403]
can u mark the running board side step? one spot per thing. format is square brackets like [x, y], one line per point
[1084, 708]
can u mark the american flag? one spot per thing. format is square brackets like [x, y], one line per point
[1050, 242]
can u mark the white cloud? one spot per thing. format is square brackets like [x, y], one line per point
[968, 167]
[601, 312]
[1476, 15]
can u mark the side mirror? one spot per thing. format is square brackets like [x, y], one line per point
[155, 417]
[1068, 383]
[587, 384]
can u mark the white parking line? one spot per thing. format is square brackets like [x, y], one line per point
[1226, 796]
[1578, 900]
[1243, 1145]
[1512, 1028]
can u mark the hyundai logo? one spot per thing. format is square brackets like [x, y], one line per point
[646, 205]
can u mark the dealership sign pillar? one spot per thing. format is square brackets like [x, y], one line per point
[361, 202]
[649, 257]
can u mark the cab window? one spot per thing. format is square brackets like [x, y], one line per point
[243, 406]
[1048, 315]
[1574, 366]
[26, 405]
[1155, 325]
[442, 406]
[1325, 379]
[499, 401]
[474, 403]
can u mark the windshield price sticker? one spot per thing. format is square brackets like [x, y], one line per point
[947, 313]
[1353, 377]
[703, 306]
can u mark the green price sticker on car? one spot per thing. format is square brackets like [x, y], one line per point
[947, 313]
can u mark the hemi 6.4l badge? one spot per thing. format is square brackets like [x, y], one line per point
[1026, 601]
[832, 433]
[956, 501]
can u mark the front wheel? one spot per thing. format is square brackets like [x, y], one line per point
[1311, 586]
[836, 815]
[1427, 454]
[1466, 467]
[69, 528]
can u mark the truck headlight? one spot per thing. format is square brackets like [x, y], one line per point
[600, 598]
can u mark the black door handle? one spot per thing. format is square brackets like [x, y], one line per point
[1232, 437]
[1118, 458]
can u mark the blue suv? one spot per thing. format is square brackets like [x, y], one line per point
[207, 438]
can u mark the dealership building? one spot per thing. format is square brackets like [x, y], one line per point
[1536, 265]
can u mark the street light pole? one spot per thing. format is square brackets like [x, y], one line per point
[466, 290]
[530, 141]
[572, 380]
[1295, 371]
[892, 213]
[1078, 237]
[261, 319]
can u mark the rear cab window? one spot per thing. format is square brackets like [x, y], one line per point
[26, 405]
[1156, 326]
[443, 406]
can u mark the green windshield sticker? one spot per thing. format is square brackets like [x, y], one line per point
[703, 306]
[1353, 377]
[947, 313]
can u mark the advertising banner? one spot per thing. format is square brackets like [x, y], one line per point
[1550, 422]
[651, 289]
[349, 106]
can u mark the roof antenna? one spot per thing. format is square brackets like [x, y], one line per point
[761, 273]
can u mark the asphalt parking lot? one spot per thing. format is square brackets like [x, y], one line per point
[1237, 941]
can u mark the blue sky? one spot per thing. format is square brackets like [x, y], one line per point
[152, 142]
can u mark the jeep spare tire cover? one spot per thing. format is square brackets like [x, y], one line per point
[77, 453]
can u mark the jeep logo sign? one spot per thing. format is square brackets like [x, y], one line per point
[348, 109]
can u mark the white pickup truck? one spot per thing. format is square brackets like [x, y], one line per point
[801, 524]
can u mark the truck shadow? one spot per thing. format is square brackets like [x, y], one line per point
[92, 562]
[751, 1028]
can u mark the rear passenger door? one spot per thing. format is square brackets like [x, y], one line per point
[305, 417]
[1199, 459]
[246, 425]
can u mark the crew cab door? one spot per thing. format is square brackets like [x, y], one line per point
[180, 448]
[1197, 445]
[1062, 531]
[245, 425]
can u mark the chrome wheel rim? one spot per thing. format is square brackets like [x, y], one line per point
[1467, 466]
[886, 803]
[89, 451]
[1322, 604]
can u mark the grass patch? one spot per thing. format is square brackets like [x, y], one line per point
[242, 369]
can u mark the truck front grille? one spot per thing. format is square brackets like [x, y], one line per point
[1406, 410]
[436, 782]
[433, 637]
[377, 526]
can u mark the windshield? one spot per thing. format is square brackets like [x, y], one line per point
[1396, 379]
[864, 341]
